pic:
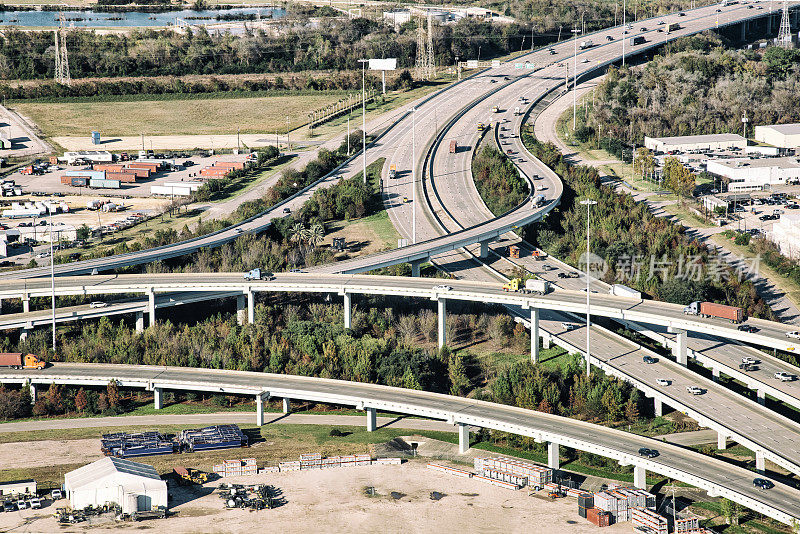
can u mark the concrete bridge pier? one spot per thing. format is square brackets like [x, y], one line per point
[415, 265]
[722, 441]
[372, 419]
[760, 462]
[26, 304]
[140, 321]
[260, 399]
[348, 310]
[241, 309]
[251, 306]
[287, 405]
[23, 335]
[761, 397]
[744, 30]
[715, 374]
[534, 335]
[640, 477]
[151, 306]
[484, 249]
[158, 398]
[442, 321]
[553, 460]
[463, 438]
[32, 388]
[658, 407]
[679, 348]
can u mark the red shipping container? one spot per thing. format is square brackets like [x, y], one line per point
[144, 165]
[108, 167]
[229, 164]
[127, 177]
[597, 517]
[139, 173]
[67, 180]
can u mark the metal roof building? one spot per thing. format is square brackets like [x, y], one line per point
[756, 174]
[688, 143]
[780, 135]
[135, 487]
[16, 487]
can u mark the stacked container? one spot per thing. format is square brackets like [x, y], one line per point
[249, 466]
[449, 470]
[686, 523]
[233, 468]
[348, 461]
[585, 501]
[289, 466]
[649, 520]
[535, 475]
[498, 483]
[311, 461]
[363, 459]
[599, 518]
[331, 462]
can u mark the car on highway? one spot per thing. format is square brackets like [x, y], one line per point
[762, 483]
[784, 376]
[747, 328]
[537, 177]
[661, 22]
[585, 60]
[43, 255]
[663, 381]
[648, 453]
[643, 28]
[238, 231]
[442, 288]
[509, 151]
[569, 326]
[405, 200]
[794, 334]
[98, 304]
[694, 390]
[287, 210]
[609, 38]
[569, 274]
[649, 360]
[548, 267]
[750, 360]
[541, 187]
[747, 367]
[681, 14]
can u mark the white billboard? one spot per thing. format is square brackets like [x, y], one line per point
[472, 63]
[383, 64]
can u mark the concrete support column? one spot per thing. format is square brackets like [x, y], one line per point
[287, 405]
[744, 30]
[151, 306]
[534, 335]
[158, 399]
[679, 348]
[463, 438]
[32, 387]
[715, 375]
[442, 322]
[140, 321]
[640, 477]
[415, 268]
[26, 304]
[23, 335]
[760, 467]
[761, 396]
[251, 307]
[769, 24]
[484, 249]
[553, 460]
[241, 309]
[372, 419]
[658, 407]
[545, 342]
[1, 305]
[348, 310]
[259, 410]
[722, 441]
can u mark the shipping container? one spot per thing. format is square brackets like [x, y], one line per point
[139, 173]
[599, 518]
[650, 521]
[79, 181]
[151, 166]
[712, 309]
[104, 184]
[125, 177]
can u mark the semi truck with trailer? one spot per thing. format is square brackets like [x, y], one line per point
[637, 40]
[673, 27]
[712, 309]
[17, 360]
[258, 274]
[532, 285]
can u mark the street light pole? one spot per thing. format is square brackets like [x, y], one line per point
[624, 28]
[575, 78]
[588, 203]
[414, 176]
[288, 143]
[52, 276]
[364, 115]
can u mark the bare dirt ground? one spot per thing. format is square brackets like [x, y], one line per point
[335, 500]
[40, 453]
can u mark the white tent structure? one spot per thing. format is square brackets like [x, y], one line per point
[135, 487]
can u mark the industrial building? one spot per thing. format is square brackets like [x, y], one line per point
[690, 143]
[786, 234]
[18, 487]
[747, 174]
[780, 135]
[133, 486]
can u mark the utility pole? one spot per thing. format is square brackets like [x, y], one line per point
[624, 27]
[52, 275]
[348, 134]
[785, 30]
[288, 143]
[588, 203]
[364, 115]
[414, 176]
[575, 78]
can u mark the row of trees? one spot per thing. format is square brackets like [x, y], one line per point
[640, 250]
[497, 180]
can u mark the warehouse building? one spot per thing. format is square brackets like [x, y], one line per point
[786, 234]
[689, 143]
[780, 135]
[18, 487]
[133, 486]
[756, 174]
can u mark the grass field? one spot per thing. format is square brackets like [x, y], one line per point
[211, 116]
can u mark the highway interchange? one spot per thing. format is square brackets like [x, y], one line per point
[450, 216]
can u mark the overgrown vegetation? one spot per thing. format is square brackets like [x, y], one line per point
[641, 250]
[497, 180]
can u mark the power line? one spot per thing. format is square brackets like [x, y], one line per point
[62, 58]
[785, 32]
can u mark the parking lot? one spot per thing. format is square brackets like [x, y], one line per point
[757, 215]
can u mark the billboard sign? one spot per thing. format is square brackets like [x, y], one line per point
[383, 64]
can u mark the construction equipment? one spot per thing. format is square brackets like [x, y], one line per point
[539, 255]
[513, 251]
[186, 476]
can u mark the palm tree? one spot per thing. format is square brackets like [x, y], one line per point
[297, 232]
[315, 234]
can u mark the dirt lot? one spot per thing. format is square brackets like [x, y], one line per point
[335, 500]
[40, 453]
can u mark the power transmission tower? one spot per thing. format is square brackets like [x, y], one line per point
[62, 59]
[431, 61]
[422, 60]
[785, 31]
